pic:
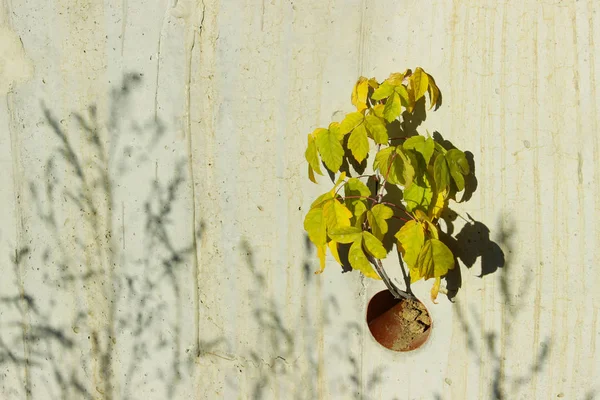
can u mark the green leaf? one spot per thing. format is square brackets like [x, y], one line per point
[420, 82]
[410, 241]
[392, 107]
[351, 121]
[377, 217]
[377, 129]
[346, 234]
[358, 260]
[312, 156]
[336, 214]
[374, 246]
[358, 143]
[459, 166]
[441, 174]
[424, 146]
[316, 227]
[434, 261]
[383, 91]
[330, 149]
[418, 195]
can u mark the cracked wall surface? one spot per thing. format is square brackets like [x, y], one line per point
[154, 190]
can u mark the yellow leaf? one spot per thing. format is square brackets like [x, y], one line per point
[435, 289]
[358, 143]
[312, 156]
[439, 205]
[321, 252]
[334, 250]
[434, 92]
[311, 174]
[339, 180]
[331, 150]
[376, 128]
[435, 259]
[410, 241]
[383, 92]
[377, 110]
[395, 79]
[351, 121]
[336, 214]
[316, 227]
[320, 201]
[359, 94]
[373, 83]
[374, 245]
[358, 260]
[419, 82]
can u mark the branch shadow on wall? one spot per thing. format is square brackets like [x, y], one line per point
[121, 302]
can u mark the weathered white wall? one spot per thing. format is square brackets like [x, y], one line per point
[221, 94]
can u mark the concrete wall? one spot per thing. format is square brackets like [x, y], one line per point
[154, 188]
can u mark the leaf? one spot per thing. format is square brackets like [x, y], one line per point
[355, 187]
[434, 92]
[335, 128]
[377, 110]
[376, 127]
[321, 253]
[374, 246]
[336, 214]
[418, 196]
[312, 156]
[339, 180]
[358, 260]
[346, 234]
[320, 201]
[383, 91]
[410, 241]
[334, 250]
[330, 149]
[377, 217]
[440, 204]
[351, 121]
[401, 170]
[423, 146]
[403, 93]
[359, 94]
[382, 160]
[392, 108]
[311, 174]
[419, 81]
[316, 227]
[358, 143]
[359, 209]
[435, 259]
[459, 166]
[441, 174]
[435, 289]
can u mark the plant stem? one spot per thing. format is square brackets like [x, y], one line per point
[394, 290]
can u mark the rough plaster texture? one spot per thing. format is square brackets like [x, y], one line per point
[153, 192]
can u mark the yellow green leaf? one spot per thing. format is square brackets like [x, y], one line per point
[321, 252]
[312, 156]
[335, 128]
[377, 129]
[373, 83]
[410, 241]
[336, 214]
[435, 259]
[359, 93]
[334, 250]
[458, 166]
[351, 121]
[377, 217]
[339, 180]
[401, 169]
[383, 91]
[418, 195]
[354, 188]
[331, 150]
[377, 110]
[395, 79]
[382, 160]
[358, 260]
[359, 209]
[419, 81]
[320, 201]
[392, 108]
[403, 93]
[358, 143]
[423, 146]
[441, 174]
[346, 234]
[435, 289]
[316, 227]
[374, 246]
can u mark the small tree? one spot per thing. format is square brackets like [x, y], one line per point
[427, 171]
